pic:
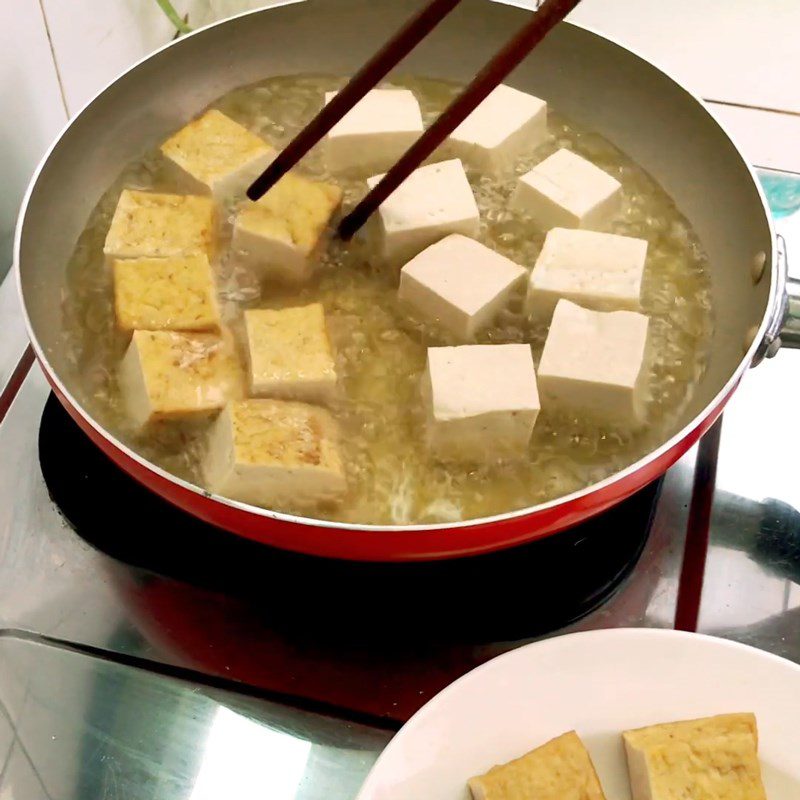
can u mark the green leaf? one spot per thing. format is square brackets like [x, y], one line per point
[173, 16]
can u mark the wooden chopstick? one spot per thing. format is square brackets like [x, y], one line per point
[397, 48]
[549, 14]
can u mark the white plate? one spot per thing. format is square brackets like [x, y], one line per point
[598, 683]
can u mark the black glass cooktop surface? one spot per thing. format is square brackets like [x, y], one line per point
[522, 592]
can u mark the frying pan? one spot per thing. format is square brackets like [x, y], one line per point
[590, 78]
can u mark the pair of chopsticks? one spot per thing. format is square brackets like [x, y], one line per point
[548, 15]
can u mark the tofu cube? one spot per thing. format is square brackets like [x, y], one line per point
[280, 234]
[434, 201]
[275, 453]
[374, 133]
[593, 364]
[146, 224]
[568, 191]
[166, 375]
[560, 769]
[459, 284]
[601, 271]
[507, 123]
[176, 294]
[714, 758]
[290, 354]
[215, 155]
[482, 401]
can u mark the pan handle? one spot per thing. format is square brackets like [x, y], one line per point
[790, 332]
[784, 325]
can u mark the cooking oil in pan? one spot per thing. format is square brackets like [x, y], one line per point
[381, 352]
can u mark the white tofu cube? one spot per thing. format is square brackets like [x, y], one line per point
[215, 155]
[459, 284]
[434, 201]
[601, 271]
[593, 364]
[166, 375]
[507, 123]
[567, 191]
[275, 453]
[482, 401]
[279, 235]
[374, 133]
[290, 354]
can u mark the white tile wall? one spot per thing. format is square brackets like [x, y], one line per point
[734, 50]
[769, 139]
[740, 51]
[32, 110]
[94, 41]
[729, 50]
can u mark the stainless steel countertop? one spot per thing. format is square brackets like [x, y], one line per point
[95, 703]
[88, 694]
[74, 726]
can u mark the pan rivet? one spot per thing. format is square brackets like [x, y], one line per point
[773, 347]
[757, 270]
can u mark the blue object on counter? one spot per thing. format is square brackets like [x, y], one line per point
[782, 190]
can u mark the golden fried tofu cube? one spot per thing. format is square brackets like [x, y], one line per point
[169, 375]
[714, 758]
[216, 155]
[161, 225]
[275, 453]
[290, 354]
[176, 294]
[559, 769]
[279, 234]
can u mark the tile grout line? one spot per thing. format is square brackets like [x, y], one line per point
[55, 59]
[782, 170]
[750, 107]
[763, 109]
[6, 714]
[4, 764]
